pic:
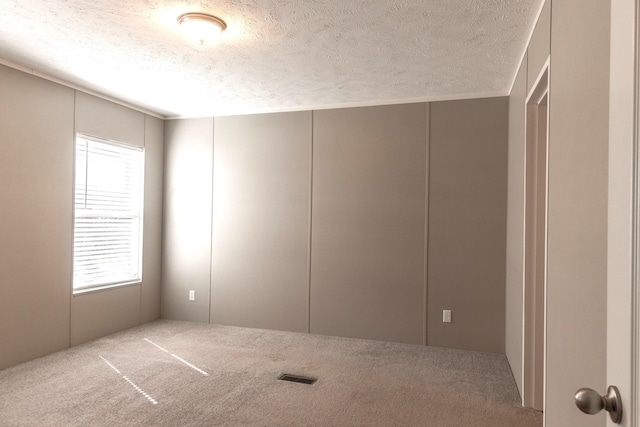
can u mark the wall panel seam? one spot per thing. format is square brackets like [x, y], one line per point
[73, 215]
[310, 225]
[426, 224]
[144, 195]
[213, 139]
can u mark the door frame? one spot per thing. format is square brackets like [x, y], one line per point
[623, 257]
[534, 295]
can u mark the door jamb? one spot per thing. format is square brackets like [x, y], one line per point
[539, 90]
[635, 282]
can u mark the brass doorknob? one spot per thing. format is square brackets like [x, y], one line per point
[590, 402]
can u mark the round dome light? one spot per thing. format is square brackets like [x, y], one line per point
[201, 26]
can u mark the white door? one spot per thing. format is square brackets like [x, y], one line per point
[623, 328]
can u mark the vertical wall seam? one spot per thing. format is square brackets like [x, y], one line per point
[426, 224]
[73, 211]
[211, 222]
[161, 248]
[144, 211]
[163, 224]
[310, 224]
[524, 227]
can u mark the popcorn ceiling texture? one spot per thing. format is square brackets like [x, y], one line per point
[276, 55]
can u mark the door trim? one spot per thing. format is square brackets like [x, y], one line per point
[623, 264]
[538, 92]
[635, 285]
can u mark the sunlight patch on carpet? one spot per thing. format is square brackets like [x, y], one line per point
[134, 385]
[152, 343]
[192, 366]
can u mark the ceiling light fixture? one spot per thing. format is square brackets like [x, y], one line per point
[201, 26]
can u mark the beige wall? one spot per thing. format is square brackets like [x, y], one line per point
[259, 267]
[103, 119]
[152, 251]
[368, 181]
[577, 225]
[38, 314]
[99, 313]
[467, 223]
[36, 181]
[368, 222]
[186, 255]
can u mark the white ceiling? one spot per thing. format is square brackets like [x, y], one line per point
[276, 55]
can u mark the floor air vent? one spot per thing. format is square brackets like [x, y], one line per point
[297, 379]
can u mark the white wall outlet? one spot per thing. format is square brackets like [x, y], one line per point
[446, 316]
[192, 295]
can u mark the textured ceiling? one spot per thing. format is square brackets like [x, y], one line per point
[276, 55]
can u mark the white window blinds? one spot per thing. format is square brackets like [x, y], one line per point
[108, 217]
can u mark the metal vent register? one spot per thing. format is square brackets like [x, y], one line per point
[297, 379]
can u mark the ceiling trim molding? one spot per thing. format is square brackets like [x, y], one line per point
[457, 97]
[79, 88]
[437, 98]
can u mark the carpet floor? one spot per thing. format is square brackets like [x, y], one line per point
[170, 373]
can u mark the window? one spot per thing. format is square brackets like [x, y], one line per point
[108, 214]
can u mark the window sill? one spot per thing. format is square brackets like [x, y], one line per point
[79, 292]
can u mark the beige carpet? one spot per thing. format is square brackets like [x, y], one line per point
[169, 373]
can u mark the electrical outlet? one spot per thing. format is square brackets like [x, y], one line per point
[446, 316]
[192, 295]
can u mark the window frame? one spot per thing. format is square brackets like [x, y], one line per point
[139, 217]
